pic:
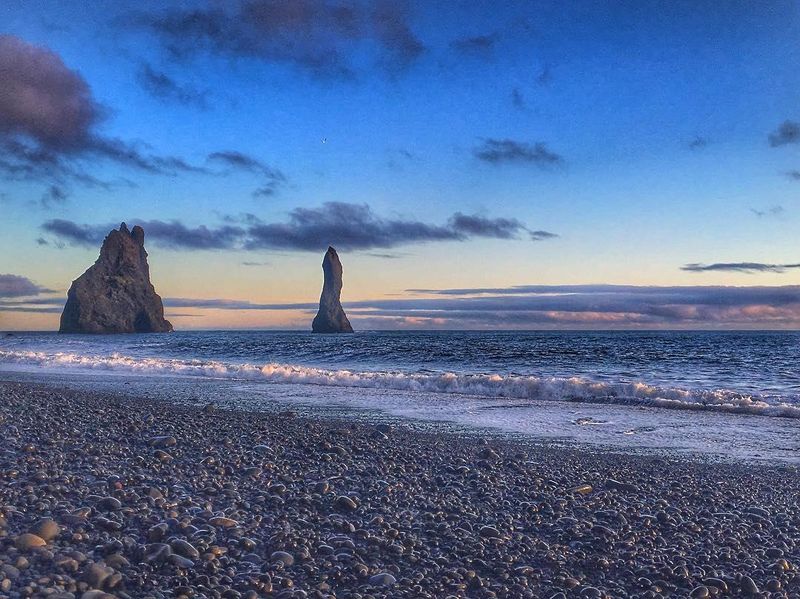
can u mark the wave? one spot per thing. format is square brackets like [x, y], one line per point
[574, 389]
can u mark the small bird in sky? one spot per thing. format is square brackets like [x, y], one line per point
[324, 140]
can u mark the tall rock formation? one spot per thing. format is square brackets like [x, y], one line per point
[331, 317]
[115, 294]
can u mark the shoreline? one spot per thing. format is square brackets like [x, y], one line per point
[157, 500]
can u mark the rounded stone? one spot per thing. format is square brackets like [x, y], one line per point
[46, 528]
[281, 556]
[28, 541]
[384, 579]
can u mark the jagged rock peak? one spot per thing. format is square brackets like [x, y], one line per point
[331, 317]
[115, 294]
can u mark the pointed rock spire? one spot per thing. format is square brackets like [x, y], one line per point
[115, 294]
[331, 317]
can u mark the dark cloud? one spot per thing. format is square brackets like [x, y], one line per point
[19, 286]
[43, 99]
[698, 143]
[746, 267]
[232, 159]
[49, 120]
[254, 263]
[355, 226]
[776, 210]
[164, 87]
[794, 175]
[346, 226]
[787, 133]
[479, 45]
[498, 151]
[317, 36]
[169, 234]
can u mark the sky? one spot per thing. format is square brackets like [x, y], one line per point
[477, 165]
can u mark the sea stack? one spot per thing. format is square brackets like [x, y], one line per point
[331, 317]
[115, 294]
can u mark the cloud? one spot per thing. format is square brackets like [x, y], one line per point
[239, 161]
[794, 175]
[545, 76]
[787, 133]
[168, 234]
[500, 228]
[225, 304]
[746, 267]
[49, 121]
[319, 37]
[517, 99]
[698, 143]
[355, 226]
[247, 263]
[346, 226]
[478, 45]
[55, 194]
[162, 86]
[498, 151]
[19, 286]
[562, 306]
[542, 235]
[776, 210]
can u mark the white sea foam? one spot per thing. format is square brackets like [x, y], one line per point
[574, 389]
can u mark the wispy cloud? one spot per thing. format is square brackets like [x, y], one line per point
[53, 195]
[787, 132]
[316, 36]
[698, 143]
[776, 210]
[164, 87]
[746, 267]
[518, 99]
[499, 151]
[477, 45]
[273, 178]
[346, 226]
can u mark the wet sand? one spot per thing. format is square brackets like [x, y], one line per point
[108, 495]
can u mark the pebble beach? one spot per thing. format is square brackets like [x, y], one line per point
[106, 495]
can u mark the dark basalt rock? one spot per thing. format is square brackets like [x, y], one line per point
[331, 317]
[115, 294]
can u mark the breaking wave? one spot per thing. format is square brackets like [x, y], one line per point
[519, 387]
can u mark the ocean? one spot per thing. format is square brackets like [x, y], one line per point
[725, 394]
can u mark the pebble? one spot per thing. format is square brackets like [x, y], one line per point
[260, 505]
[384, 579]
[28, 541]
[46, 528]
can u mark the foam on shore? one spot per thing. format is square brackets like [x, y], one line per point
[532, 388]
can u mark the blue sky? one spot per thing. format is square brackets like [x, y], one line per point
[601, 143]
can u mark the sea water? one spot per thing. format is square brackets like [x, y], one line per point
[728, 394]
